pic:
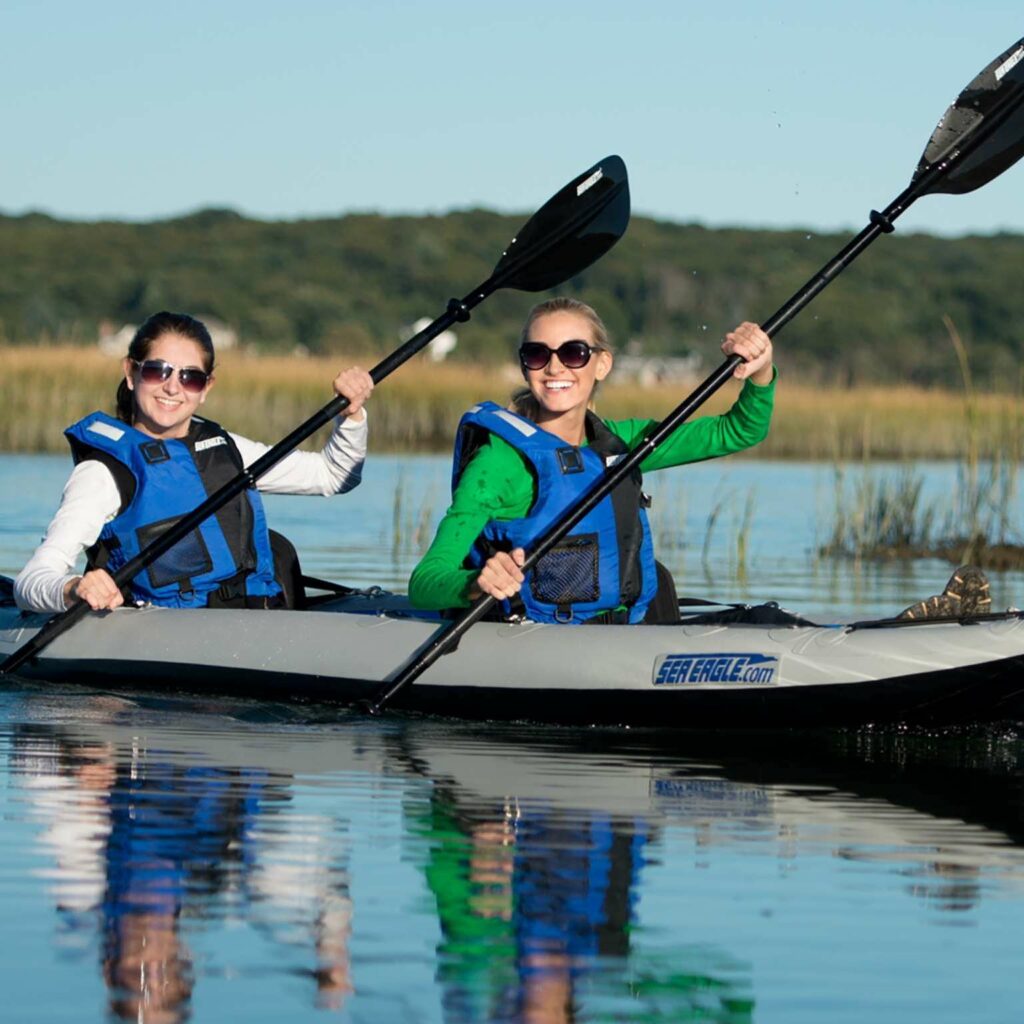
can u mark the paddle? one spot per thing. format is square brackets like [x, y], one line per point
[979, 137]
[570, 231]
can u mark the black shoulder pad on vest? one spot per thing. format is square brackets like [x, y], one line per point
[204, 430]
[601, 439]
[472, 438]
[118, 470]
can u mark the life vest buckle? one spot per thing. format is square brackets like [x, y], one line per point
[570, 460]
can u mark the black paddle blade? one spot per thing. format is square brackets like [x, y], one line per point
[991, 109]
[570, 231]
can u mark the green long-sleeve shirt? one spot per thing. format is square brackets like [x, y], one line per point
[498, 485]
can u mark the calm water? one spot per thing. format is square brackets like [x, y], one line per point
[164, 860]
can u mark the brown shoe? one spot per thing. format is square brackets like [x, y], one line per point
[966, 596]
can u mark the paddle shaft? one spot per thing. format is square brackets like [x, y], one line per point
[881, 223]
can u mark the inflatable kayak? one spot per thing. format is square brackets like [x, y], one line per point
[703, 672]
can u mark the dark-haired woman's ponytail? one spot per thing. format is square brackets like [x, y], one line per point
[124, 403]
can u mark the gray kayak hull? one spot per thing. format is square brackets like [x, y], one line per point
[674, 677]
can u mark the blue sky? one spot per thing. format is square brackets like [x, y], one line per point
[794, 113]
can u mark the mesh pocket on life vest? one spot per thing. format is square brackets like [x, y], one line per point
[189, 557]
[568, 573]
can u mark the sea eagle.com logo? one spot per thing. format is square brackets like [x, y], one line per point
[679, 669]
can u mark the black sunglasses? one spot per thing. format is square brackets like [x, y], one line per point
[573, 355]
[156, 371]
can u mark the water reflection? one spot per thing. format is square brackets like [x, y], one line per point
[142, 843]
[533, 904]
[298, 892]
[568, 875]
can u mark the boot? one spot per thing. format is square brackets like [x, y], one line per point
[966, 596]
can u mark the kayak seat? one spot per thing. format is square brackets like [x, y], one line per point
[6, 591]
[287, 571]
[664, 609]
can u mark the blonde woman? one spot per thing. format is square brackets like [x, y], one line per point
[517, 471]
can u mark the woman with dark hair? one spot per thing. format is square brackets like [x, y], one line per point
[518, 470]
[136, 475]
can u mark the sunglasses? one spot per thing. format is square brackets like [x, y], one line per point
[156, 371]
[573, 355]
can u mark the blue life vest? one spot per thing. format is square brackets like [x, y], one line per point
[228, 555]
[608, 559]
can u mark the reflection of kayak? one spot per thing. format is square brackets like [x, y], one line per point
[890, 799]
[685, 676]
[728, 800]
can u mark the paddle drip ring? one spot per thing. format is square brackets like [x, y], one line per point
[459, 310]
[883, 222]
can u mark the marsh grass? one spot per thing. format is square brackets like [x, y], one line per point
[668, 517]
[740, 525]
[412, 524]
[417, 408]
[880, 515]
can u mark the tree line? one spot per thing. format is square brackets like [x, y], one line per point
[355, 283]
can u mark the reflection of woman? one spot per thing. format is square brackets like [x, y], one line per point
[576, 883]
[156, 462]
[122, 848]
[528, 902]
[513, 480]
[146, 845]
[468, 869]
[173, 831]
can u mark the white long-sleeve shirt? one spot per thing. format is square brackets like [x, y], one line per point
[91, 499]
